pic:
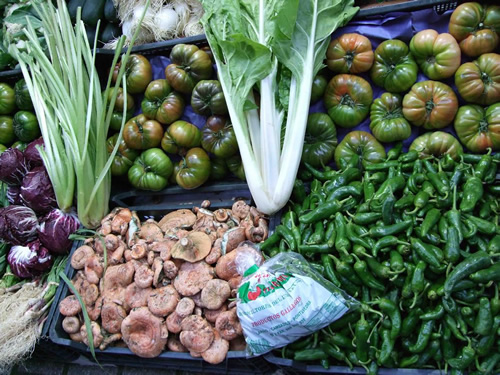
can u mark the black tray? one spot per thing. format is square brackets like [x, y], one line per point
[236, 361]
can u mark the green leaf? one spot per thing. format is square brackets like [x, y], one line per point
[21, 16]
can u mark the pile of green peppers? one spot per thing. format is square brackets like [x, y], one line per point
[417, 242]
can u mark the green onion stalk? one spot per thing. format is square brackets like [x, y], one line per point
[73, 115]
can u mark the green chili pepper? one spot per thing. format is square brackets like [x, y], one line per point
[395, 152]
[329, 272]
[452, 324]
[439, 185]
[409, 361]
[346, 270]
[396, 261]
[270, 242]
[429, 166]
[387, 346]
[447, 344]
[387, 209]
[322, 176]
[483, 165]
[318, 234]
[382, 231]
[485, 343]
[485, 210]
[406, 291]
[287, 235]
[465, 358]
[315, 248]
[381, 166]
[332, 352]
[404, 202]
[429, 188]
[423, 336]
[494, 244]
[456, 177]
[322, 212]
[410, 156]
[366, 218]
[377, 177]
[368, 190]
[473, 263]
[393, 184]
[484, 319]
[454, 218]
[420, 201]
[310, 355]
[344, 192]
[410, 322]
[431, 218]
[352, 231]
[483, 226]
[403, 249]
[341, 179]
[490, 363]
[338, 339]
[448, 163]
[428, 253]
[361, 269]
[361, 334]
[390, 309]
[486, 275]
[443, 228]
[418, 279]
[299, 191]
[342, 243]
[344, 321]
[473, 192]
[494, 189]
[435, 314]
[436, 290]
[289, 220]
[301, 344]
[348, 286]
[491, 174]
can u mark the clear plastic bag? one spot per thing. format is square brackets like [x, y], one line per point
[285, 299]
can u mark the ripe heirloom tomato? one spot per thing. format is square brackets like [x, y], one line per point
[347, 99]
[394, 68]
[318, 87]
[151, 170]
[476, 27]
[477, 128]
[140, 133]
[430, 104]
[117, 116]
[161, 103]
[350, 53]
[438, 55]
[437, 144]
[124, 157]
[189, 65]
[179, 136]
[26, 126]
[208, 98]
[23, 97]
[479, 81]
[7, 135]
[138, 73]
[218, 137]
[362, 144]
[7, 99]
[387, 122]
[194, 169]
[320, 140]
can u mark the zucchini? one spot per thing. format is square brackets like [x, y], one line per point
[93, 11]
[73, 6]
[110, 32]
[110, 12]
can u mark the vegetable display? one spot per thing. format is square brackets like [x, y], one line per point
[416, 242]
[167, 286]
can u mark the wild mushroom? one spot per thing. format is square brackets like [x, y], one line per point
[197, 299]
[163, 244]
[221, 215]
[90, 294]
[96, 332]
[192, 277]
[257, 233]
[139, 250]
[108, 340]
[143, 276]
[215, 293]
[173, 322]
[150, 257]
[215, 252]
[127, 255]
[211, 315]
[76, 337]
[162, 301]
[150, 231]
[177, 219]
[256, 215]
[228, 325]
[204, 222]
[169, 269]
[133, 229]
[196, 333]
[234, 282]
[145, 334]
[112, 316]
[119, 224]
[80, 256]
[198, 311]
[117, 255]
[175, 345]
[136, 296]
[194, 354]
[118, 276]
[232, 238]
[69, 306]
[94, 311]
[226, 266]
[71, 324]
[217, 352]
[93, 269]
[157, 270]
[111, 242]
[192, 248]
[240, 209]
[185, 307]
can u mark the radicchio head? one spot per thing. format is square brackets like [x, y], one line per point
[13, 166]
[18, 224]
[13, 195]
[55, 229]
[32, 155]
[37, 192]
[30, 260]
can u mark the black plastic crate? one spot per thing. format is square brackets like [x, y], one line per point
[236, 361]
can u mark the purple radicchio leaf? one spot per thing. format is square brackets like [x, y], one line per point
[18, 225]
[32, 155]
[30, 260]
[13, 166]
[13, 195]
[37, 192]
[55, 228]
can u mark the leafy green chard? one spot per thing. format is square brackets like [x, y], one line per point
[256, 44]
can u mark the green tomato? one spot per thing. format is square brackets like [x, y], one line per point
[7, 134]
[362, 144]
[20, 145]
[347, 99]
[161, 103]
[320, 140]
[387, 122]
[478, 82]
[26, 126]
[477, 128]
[194, 169]
[208, 98]
[218, 137]
[189, 66]
[138, 73]
[476, 27]
[438, 55]
[437, 144]
[394, 68]
[140, 133]
[151, 170]
[350, 53]
[23, 97]
[124, 157]
[318, 87]
[117, 116]
[2, 148]
[218, 169]
[235, 166]
[181, 135]
[7, 99]
[430, 104]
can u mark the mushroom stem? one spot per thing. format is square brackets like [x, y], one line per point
[186, 243]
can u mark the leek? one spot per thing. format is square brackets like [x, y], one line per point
[256, 45]
[66, 94]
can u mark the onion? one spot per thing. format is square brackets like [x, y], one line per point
[165, 23]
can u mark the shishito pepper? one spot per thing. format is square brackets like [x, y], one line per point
[473, 192]
[465, 358]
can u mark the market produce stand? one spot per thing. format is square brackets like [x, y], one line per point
[395, 203]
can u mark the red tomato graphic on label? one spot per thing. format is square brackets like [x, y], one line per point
[252, 296]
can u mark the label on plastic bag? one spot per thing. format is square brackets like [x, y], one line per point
[277, 308]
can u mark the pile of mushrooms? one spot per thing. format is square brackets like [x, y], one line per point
[167, 284]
